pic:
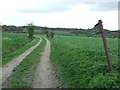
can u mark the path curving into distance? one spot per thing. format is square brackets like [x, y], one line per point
[7, 69]
[45, 75]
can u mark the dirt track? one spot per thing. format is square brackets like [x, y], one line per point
[7, 69]
[45, 76]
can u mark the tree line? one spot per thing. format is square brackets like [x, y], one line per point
[17, 29]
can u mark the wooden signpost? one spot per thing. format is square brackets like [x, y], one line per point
[102, 31]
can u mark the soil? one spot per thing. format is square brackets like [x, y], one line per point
[46, 77]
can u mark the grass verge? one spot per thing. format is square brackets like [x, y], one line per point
[18, 51]
[11, 42]
[23, 74]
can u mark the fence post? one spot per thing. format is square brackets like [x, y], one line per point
[105, 45]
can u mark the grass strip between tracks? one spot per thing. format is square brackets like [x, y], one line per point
[23, 74]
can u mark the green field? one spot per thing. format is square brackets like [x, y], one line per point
[36, 31]
[82, 61]
[56, 32]
[62, 33]
[14, 44]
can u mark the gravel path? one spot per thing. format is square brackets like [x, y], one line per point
[45, 76]
[7, 69]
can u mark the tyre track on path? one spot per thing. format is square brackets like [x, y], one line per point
[7, 69]
[45, 76]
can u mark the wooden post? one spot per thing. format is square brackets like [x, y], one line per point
[105, 45]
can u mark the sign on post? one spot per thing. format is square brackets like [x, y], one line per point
[105, 44]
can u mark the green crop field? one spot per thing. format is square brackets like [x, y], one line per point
[62, 32]
[36, 31]
[57, 32]
[13, 45]
[82, 61]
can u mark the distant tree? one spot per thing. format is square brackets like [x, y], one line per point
[45, 30]
[30, 29]
[47, 33]
[4, 28]
[51, 34]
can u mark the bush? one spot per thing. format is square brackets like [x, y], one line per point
[51, 34]
[30, 28]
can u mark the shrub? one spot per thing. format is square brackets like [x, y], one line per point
[51, 34]
[30, 28]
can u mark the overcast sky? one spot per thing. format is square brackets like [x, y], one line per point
[60, 13]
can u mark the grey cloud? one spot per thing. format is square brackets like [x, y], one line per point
[119, 5]
[46, 10]
[103, 6]
[47, 7]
